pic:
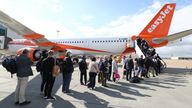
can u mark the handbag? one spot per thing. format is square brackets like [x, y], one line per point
[116, 75]
[56, 69]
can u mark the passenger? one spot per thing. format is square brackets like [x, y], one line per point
[135, 67]
[93, 70]
[136, 71]
[138, 39]
[83, 70]
[110, 67]
[100, 74]
[129, 67]
[159, 64]
[145, 47]
[124, 66]
[114, 67]
[47, 66]
[140, 65]
[67, 73]
[157, 57]
[39, 69]
[154, 65]
[104, 68]
[147, 66]
[23, 72]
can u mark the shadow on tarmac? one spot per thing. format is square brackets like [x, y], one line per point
[33, 94]
[173, 77]
[90, 100]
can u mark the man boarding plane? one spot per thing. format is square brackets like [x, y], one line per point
[155, 33]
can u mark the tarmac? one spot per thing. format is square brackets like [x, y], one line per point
[171, 89]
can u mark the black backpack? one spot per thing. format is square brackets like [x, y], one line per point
[10, 65]
[38, 65]
[135, 79]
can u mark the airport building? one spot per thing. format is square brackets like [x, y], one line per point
[6, 35]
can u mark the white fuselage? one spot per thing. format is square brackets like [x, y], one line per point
[109, 45]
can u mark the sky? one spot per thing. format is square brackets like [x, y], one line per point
[63, 19]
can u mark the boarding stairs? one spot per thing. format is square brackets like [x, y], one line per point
[138, 50]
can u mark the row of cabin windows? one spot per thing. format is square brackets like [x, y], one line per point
[109, 41]
[94, 41]
[71, 42]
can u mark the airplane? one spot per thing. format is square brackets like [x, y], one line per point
[155, 33]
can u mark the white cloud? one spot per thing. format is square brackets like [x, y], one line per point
[87, 18]
[53, 5]
[40, 25]
[133, 25]
[122, 26]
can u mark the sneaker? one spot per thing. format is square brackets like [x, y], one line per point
[63, 91]
[45, 97]
[25, 103]
[50, 98]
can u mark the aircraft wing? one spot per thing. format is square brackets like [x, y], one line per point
[38, 39]
[20, 29]
[173, 37]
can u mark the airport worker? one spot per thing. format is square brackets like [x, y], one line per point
[47, 66]
[67, 72]
[83, 70]
[93, 71]
[23, 72]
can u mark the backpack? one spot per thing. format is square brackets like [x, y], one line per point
[135, 79]
[10, 65]
[38, 65]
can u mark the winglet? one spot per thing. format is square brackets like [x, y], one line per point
[160, 24]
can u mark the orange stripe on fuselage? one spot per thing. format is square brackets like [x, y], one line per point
[55, 46]
[22, 42]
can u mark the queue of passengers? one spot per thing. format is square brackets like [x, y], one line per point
[106, 69]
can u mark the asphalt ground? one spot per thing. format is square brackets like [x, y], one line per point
[171, 89]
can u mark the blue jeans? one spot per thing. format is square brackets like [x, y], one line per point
[66, 81]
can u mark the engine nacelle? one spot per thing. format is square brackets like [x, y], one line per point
[34, 54]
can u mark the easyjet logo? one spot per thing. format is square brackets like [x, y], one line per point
[160, 19]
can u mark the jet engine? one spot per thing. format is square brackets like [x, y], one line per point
[34, 54]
